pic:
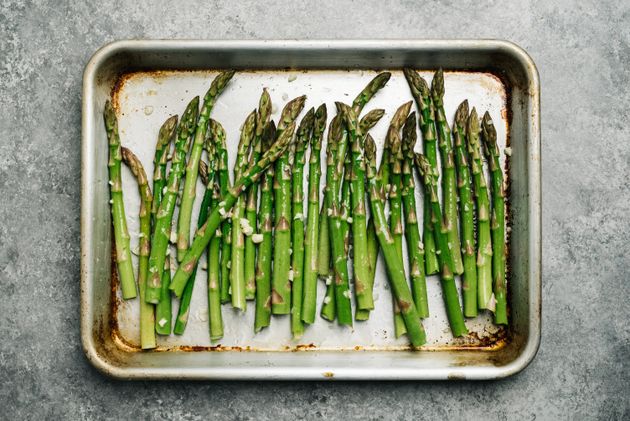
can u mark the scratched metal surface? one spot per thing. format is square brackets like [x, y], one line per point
[145, 99]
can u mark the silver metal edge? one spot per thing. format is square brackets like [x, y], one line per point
[281, 373]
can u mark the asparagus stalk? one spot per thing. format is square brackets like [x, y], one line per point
[263, 265]
[311, 246]
[164, 216]
[121, 234]
[422, 95]
[336, 136]
[323, 243]
[184, 303]
[445, 257]
[160, 160]
[190, 183]
[397, 279]
[262, 120]
[207, 231]
[226, 226]
[237, 267]
[489, 136]
[328, 310]
[215, 317]
[484, 244]
[147, 315]
[357, 130]
[449, 183]
[281, 283]
[297, 263]
[412, 234]
[391, 171]
[469, 278]
[164, 309]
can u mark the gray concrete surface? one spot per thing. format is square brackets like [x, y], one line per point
[583, 55]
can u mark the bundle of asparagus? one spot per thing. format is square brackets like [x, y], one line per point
[258, 243]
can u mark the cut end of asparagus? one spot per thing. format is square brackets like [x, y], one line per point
[409, 136]
[437, 86]
[461, 114]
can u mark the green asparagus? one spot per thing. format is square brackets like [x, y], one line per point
[469, 278]
[223, 177]
[160, 160]
[449, 182]
[445, 257]
[164, 216]
[484, 243]
[190, 183]
[394, 264]
[121, 234]
[415, 247]
[489, 136]
[265, 226]
[281, 284]
[237, 267]
[147, 315]
[422, 95]
[207, 231]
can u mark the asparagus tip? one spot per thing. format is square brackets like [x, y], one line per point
[409, 134]
[437, 85]
[461, 114]
[370, 149]
[473, 122]
[489, 132]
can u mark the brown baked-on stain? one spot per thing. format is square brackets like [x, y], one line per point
[328, 374]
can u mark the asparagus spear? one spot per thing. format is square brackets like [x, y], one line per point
[237, 267]
[164, 309]
[323, 243]
[297, 235]
[184, 303]
[422, 95]
[328, 310]
[164, 216]
[190, 183]
[147, 316]
[215, 317]
[226, 226]
[357, 130]
[412, 234]
[311, 245]
[336, 235]
[263, 265]
[489, 136]
[121, 234]
[484, 244]
[281, 284]
[207, 231]
[397, 279]
[390, 183]
[262, 120]
[469, 279]
[449, 183]
[445, 257]
[165, 136]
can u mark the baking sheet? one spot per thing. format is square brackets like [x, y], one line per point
[145, 99]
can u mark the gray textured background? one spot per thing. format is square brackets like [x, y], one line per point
[583, 54]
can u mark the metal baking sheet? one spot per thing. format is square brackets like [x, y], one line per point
[151, 80]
